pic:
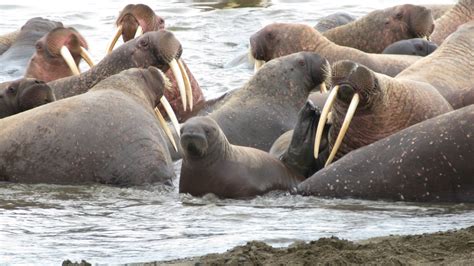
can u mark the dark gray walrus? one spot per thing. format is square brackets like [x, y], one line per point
[24, 94]
[416, 46]
[295, 148]
[213, 165]
[15, 59]
[268, 105]
[430, 161]
[109, 135]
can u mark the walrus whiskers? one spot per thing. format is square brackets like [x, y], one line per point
[345, 125]
[66, 54]
[187, 84]
[110, 47]
[86, 56]
[323, 118]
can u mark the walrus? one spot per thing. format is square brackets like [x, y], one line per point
[7, 39]
[416, 46]
[133, 21]
[211, 164]
[268, 104]
[272, 42]
[15, 59]
[375, 31]
[24, 94]
[367, 106]
[462, 12]
[334, 20]
[108, 135]
[158, 49]
[58, 55]
[295, 147]
[449, 69]
[430, 161]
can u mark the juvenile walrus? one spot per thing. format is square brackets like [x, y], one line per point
[416, 46]
[375, 31]
[450, 68]
[24, 94]
[462, 12]
[368, 106]
[213, 165]
[108, 135]
[279, 39]
[431, 161]
[268, 104]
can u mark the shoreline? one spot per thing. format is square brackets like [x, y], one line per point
[452, 247]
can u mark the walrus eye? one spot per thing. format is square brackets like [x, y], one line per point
[11, 90]
[301, 62]
[270, 36]
[38, 46]
[143, 43]
[399, 15]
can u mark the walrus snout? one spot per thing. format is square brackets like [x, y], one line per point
[194, 143]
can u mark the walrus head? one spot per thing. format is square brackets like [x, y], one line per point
[199, 135]
[410, 21]
[355, 87]
[24, 94]
[133, 21]
[58, 55]
[280, 39]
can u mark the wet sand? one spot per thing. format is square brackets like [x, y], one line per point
[454, 247]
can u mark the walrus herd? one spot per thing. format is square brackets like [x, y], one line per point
[376, 107]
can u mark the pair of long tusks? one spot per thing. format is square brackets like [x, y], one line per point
[163, 123]
[111, 45]
[345, 124]
[67, 56]
[184, 85]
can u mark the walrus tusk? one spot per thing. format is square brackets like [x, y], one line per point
[322, 87]
[323, 118]
[86, 56]
[187, 84]
[139, 32]
[345, 125]
[165, 128]
[171, 114]
[110, 47]
[179, 79]
[258, 65]
[69, 60]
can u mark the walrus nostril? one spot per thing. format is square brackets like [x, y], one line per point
[345, 92]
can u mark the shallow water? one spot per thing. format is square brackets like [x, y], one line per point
[45, 224]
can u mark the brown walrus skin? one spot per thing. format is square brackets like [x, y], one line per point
[213, 165]
[7, 39]
[450, 68]
[387, 105]
[375, 31]
[281, 39]
[24, 94]
[430, 162]
[108, 135]
[438, 10]
[462, 12]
